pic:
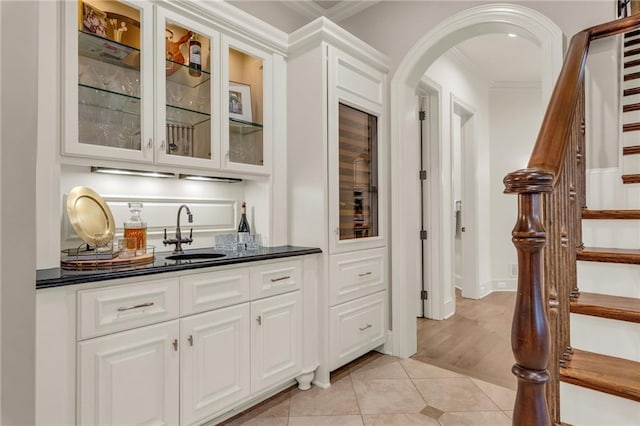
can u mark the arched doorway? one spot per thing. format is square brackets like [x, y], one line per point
[405, 196]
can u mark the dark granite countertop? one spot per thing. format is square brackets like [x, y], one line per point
[56, 277]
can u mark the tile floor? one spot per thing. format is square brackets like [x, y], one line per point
[384, 390]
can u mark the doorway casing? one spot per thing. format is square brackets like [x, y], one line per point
[405, 187]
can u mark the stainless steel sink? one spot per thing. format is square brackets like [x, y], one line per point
[195, 256]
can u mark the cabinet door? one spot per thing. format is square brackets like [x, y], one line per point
[356, 146]
[276, 331]
[108, 80]
[187, 106]
[247, 107]
[215, 361]
[130, 378]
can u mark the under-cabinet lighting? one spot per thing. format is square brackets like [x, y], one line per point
[209, 178]
[129, 172]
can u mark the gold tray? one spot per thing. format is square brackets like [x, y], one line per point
[90, 216]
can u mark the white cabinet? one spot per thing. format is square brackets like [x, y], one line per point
[214, 361]
[276, 344]
[337, 167]
[130, 378]
[134, 90]
[184, 349]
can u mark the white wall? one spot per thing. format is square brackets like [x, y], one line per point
[17, 217]
[458, 81]
[515, 117]
[273, 12]
[393, 27]
[602, 103]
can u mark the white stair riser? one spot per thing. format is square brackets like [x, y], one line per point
[630, 84]
[631, 164]
[631, 116]
[611, 233]
[632, 196]
[605, 189]
[585, 407]
[606, 336]
[631, 70]
[609, 278]
[631, 138]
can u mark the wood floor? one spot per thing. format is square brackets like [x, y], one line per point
[476, 341]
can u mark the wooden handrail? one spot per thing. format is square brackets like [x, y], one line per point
[551, 196]
[551, 142]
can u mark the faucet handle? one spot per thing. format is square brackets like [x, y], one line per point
[190, 236]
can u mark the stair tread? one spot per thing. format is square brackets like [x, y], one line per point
[607, 306]
[611, 214]
[615, 376]
[632, 42]
[631, 107]
[633, 63]
[631, 33]
[631, 150]
[632, 91]
[633, 178]
[631, 52]
[631, 127]
[632, 76]
[609, 255]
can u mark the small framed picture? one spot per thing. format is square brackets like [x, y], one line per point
[94, 20]
[240, 101]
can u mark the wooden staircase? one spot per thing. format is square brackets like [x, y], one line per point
[576, 326]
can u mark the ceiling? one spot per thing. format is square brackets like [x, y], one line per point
[501, 59]
[334, 10]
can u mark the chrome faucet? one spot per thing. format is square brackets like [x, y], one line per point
[178, 240]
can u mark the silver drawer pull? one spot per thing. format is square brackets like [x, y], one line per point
[273, 280]
[365, 327]
[142, 305]
[365, 274]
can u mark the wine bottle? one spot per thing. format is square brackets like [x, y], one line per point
[243, 227]
[195, 61]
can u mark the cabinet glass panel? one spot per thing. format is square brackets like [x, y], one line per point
[245, 109]
[358, 173]
[109, 78]
[188, 92]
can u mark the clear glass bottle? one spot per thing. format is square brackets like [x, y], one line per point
[134, 227]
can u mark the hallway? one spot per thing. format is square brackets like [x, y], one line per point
[475, 341]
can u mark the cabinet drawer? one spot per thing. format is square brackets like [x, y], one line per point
[203, 292]
[356, 327]
[353, 275]
[275, 278]
[107, 310]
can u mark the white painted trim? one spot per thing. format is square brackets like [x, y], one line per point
[323, 30]
[233, 21]
[476, 21]
[337, 13]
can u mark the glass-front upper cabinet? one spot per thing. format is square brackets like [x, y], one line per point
[247, 107]
[108, 80]
[186, 110]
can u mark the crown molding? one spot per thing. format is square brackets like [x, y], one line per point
[323, 30]
[232, 20]
[337, 13]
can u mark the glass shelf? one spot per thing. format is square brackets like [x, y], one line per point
[180, 115]
[179, 73]
[106, 99]
[109, 51]
[243, 127]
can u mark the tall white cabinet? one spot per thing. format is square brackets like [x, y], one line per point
[337, 180]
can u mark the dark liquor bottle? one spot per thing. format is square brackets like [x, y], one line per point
[195, 58]
[243, 227]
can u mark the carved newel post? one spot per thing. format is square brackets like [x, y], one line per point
[530, 330]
